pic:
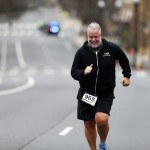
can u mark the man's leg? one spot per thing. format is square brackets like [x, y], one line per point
[102, 125]
[90, 133]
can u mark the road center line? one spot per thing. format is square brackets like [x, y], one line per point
[65, 131]
[21, 88]
[20, 54]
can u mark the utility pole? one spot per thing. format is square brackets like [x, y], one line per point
[136, 29]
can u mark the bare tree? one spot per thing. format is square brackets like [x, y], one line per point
[88, 10]
[14, 8]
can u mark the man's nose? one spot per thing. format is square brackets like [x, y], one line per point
[93, 38]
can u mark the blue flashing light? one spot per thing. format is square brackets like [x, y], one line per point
[54, 29]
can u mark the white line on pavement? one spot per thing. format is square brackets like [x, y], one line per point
[20, 54]
[65, 71]
[3, 59]
[141, 74]
[3, 55]
[65, 131]
[138, 74]
[21, 88]
[49, 72]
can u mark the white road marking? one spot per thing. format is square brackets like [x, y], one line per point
[65, 131]
[21, 88]
[3, 59]
[4, 26]
[141, 74]
[30, 32]
[21, 60]
[3, 55]
[65, 71]
[32, 72]
[49, 72]
[13, 72]
[138, 74]
[6, 33]
[21, 32]
[14, 33]
[18, 29]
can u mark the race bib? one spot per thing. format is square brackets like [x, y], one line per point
[89, 99]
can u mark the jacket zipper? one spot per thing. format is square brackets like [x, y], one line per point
[96, 52]
[97, 71]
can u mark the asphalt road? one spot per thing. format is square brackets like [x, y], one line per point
[38, 96]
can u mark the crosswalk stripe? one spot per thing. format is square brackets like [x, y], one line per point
[49, 72]
[18, 29]
[63, 71]
[141, 74]
[138, 74]
[19, 33]
[31, 72]
[35, 71]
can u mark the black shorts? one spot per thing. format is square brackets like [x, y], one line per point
[87, 112]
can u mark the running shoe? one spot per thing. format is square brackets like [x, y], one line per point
[103, 147]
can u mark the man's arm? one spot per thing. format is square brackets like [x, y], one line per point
[76, 72]
[124, 62]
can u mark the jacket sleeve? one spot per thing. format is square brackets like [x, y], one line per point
[76, 72]
[123, 61]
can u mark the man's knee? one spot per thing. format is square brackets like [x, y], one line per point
[101, 118]
[89, 124]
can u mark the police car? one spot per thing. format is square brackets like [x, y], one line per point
[52, 27]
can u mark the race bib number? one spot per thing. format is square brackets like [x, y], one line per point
[89, 99]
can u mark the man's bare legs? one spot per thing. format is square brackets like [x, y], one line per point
[90, 133]
[102, 125]
[101, 120]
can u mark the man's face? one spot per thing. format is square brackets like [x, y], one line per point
[94, 38]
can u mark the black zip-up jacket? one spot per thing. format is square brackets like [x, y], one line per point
[101, 80]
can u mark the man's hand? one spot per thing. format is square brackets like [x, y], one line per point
[125, 81]
[88, 69]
